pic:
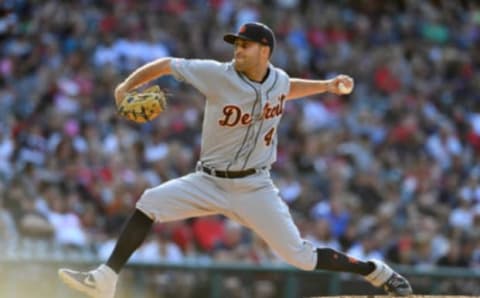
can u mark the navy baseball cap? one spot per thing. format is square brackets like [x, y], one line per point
[257, 32]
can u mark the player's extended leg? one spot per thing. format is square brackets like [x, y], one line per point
[189, 196]
[268, 215]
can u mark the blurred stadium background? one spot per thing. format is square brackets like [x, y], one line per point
[391, 171]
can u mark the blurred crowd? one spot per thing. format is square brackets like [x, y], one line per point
[391, 171]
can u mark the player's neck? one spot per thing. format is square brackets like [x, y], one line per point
[259, 74]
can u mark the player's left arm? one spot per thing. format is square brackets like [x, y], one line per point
[300, 87]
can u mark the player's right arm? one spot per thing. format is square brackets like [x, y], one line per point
[142, 75]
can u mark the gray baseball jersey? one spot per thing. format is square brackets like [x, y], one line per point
[239, 132]
[241, 116]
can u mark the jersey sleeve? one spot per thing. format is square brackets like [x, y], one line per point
[201, 74]
[285, 82]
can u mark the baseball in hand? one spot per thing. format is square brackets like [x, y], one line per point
[344, 89]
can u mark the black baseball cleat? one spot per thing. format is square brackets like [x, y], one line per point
[385, 277]
[397, 285]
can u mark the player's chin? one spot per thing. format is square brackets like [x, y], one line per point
[238, 64]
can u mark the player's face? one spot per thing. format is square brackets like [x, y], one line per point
[247, 54]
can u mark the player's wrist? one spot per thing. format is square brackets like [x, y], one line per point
[330, 86]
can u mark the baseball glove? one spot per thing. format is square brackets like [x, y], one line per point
[143, 106]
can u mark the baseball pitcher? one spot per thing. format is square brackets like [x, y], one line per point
[245, 100]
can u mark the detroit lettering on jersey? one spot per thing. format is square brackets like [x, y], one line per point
[241, 116]
[233, 115]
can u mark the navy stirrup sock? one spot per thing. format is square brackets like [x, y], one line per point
[132, 235]
[330, 259]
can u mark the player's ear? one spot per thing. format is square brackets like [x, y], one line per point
[265, 51]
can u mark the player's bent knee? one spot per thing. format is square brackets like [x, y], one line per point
[146, 197]
[146, 212]
[147, 194]
[144, 203]
[304, 257]
[303, 264]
